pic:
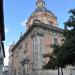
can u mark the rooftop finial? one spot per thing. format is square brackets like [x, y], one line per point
[40, 0]
[40, 3]
[20, 34]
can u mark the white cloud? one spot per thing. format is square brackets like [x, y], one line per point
[6, 59]
[6, 30]
[23, 23]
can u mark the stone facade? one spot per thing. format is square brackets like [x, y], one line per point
[27, 53]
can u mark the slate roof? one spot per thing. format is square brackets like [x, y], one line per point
[44, 9]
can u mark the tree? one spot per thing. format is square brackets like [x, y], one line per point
[69, 42]
[55, 60]
[64, 54]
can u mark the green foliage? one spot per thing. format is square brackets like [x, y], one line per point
[65, 54]
[69, 43]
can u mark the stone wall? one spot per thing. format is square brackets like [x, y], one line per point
[67, 71]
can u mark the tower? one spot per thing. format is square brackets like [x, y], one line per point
[42, 14]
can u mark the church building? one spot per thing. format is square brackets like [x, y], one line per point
[30, 53]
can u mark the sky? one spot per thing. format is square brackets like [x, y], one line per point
[16, 13]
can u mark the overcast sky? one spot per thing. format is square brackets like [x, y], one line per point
[16, 13]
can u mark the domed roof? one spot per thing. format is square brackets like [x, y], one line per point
[37, 10]
[42, 14]
[41, 8]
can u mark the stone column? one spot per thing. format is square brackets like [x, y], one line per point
[37, 53]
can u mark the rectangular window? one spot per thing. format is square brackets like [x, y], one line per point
[26, 45]
[55, 41]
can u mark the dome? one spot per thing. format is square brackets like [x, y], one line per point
[45, 10]
[42, 14]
